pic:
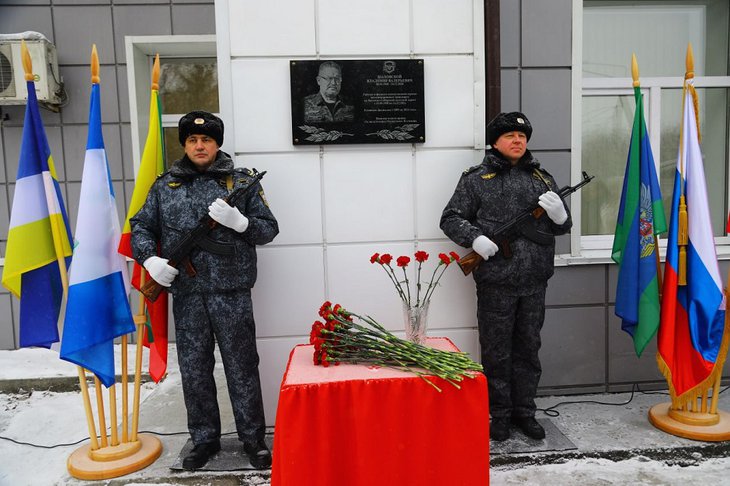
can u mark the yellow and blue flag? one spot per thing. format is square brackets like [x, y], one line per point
[39, 238]
[98, 307]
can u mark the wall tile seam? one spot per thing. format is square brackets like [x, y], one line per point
[342, 149]
[346, 56]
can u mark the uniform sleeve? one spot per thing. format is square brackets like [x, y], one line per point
[459, 213]
[262, 225]
[146, 227]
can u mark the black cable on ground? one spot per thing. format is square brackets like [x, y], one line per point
[550, 412]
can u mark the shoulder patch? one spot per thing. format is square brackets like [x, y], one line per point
[489, 176]
[543, 176]
[263, 198]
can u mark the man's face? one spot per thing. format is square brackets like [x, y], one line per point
[512, 145]
[201, 150]
[330, 82]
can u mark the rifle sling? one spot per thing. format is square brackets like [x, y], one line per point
[530, 231]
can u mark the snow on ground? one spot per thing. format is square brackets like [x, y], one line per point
[51, 418]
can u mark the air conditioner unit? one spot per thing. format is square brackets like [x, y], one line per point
[13, 87]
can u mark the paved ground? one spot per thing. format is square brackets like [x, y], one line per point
[589, 443]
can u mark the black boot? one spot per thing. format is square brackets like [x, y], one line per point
[499, 429]
[258, 454]
[530, 427]
[200, 455]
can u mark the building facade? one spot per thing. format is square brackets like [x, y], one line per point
[564, 63]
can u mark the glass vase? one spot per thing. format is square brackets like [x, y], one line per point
[416, 322]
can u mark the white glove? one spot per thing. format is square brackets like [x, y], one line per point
[227, 215]
[553, 206]
[160, 271]
[484, 246]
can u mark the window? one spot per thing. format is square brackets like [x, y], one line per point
[186, 84]
[188, 81]
[658, 32]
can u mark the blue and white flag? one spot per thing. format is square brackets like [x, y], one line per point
[98, 304]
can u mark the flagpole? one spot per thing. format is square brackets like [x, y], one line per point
[141, 319]
[63, 271]
[111, 459]
[637, 84]
[686, 415]
[682, 232]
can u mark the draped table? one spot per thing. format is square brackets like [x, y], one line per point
[358, 425]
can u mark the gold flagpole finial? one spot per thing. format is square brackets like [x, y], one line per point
[95, 79]
[635, 70]
[690, 63]
[156, 73]
[27, 62]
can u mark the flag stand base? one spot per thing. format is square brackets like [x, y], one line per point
[81, 465]
[662, 417]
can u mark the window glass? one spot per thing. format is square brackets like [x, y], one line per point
[173, 150]
[188, 84]
[657, 32]
[713, 117]
[607, 122]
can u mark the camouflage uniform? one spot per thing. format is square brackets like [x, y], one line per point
[316, 110]
[510, 291]
[215, 304]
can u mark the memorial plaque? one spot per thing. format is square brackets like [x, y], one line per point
[357, 101]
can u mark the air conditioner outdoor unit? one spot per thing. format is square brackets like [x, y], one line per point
[13, 88]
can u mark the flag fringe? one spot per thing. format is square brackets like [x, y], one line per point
[690, 396]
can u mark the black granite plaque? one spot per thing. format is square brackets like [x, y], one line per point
[357, 101]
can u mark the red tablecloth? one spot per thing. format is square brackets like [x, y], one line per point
[354, 425]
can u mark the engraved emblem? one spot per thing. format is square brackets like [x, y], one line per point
[389, 67]
[199, 121]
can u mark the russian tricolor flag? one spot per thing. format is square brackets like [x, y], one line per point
[98, 307]
[692, 315]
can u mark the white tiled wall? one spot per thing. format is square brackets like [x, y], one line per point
[337, 205]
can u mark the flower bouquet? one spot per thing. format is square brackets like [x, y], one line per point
[415, 309]
[345, 337]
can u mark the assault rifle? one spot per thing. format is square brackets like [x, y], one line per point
[507, 232]
[181, 253]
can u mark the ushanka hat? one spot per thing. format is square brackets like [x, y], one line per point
[508, 122]
[200, 123]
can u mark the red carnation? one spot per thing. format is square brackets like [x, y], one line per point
[386, 258]
[454, 255]
[445, 259]
[421, 256]
[374, 258]
[403, 261]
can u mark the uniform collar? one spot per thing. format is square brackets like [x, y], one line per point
[184, 168]
[496, 162]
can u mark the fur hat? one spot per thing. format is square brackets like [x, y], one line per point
[508, 122]
[200, 123]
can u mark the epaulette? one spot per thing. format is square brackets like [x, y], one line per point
[163, 174]
[248, 172]
[471, 169]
